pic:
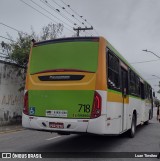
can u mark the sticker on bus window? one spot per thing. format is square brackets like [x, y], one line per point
[56, 113]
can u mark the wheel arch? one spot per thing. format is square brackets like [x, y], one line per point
[135, 114]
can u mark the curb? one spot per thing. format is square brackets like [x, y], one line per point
[9, 129]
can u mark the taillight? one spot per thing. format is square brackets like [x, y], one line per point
[25, 108]
[97, 103]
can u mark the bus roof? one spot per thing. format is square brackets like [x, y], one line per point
[69, 39]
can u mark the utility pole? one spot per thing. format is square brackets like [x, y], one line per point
[79, 29]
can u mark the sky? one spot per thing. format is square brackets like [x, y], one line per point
[129, 25]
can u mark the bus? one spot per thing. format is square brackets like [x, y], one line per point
[83, 85]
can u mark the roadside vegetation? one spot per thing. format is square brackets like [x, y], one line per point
[17, 51]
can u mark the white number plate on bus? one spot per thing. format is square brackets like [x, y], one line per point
[56, 113]
[57, 125]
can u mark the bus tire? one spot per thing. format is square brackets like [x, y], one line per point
[132, 131]
[146, 122]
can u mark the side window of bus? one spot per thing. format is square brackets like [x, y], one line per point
[142, 91]
[113, 71]
[138, 86]
[151, 96]
[132, 85]
[148, 91]
[135, 88]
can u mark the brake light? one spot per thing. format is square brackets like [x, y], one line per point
[97, 103]
[25, 108]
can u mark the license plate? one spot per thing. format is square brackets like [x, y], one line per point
[56, 113]
[57, 125]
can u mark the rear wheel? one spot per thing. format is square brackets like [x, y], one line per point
[132, 131]
[146, 122]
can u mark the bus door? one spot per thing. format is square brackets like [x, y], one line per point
[124, 83]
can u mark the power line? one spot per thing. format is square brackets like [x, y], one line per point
[79, 15]
[40, 12]
[37, 10]
[80, 29]
[72, 15]
[50, 6]
[68, 12]
[3, 54]
[75, 12]
[57, 11]
[12, 28]
[4, 57]
[49, 13]
[7, 38]
[145, 61]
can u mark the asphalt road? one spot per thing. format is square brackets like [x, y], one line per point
[147, 139]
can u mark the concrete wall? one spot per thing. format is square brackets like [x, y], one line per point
[11, 99]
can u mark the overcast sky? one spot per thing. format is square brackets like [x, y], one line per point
[129, 25]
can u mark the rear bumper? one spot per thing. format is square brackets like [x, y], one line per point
[94, 126]
[42, 123]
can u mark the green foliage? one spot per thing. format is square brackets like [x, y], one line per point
[51, 31]
[18, 51]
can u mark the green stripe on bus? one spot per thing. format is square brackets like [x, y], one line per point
[114, 91]
[68, 55]
[77, 103]
[135, 97]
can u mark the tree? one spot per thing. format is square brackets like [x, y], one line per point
[51, 31]
[156, 102]
[18, 51]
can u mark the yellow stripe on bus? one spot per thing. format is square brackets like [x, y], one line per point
[116, 97]
[101, 71]
[87, 83]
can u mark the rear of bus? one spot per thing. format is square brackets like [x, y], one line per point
[66, 86]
